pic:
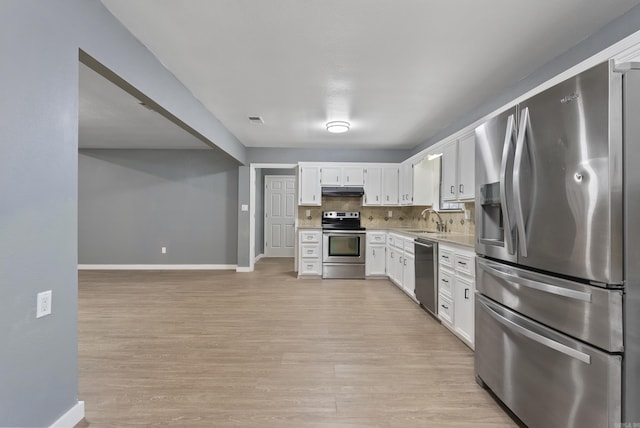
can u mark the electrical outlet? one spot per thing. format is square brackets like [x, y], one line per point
[467, 214]
[164, 250]
[307, 213]
[390, 214]
[43, 304]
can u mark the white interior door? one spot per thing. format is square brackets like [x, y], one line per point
[279, 215]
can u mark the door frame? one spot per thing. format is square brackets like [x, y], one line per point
[252, 205]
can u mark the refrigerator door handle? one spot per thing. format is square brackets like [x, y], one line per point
[545, 341]
[536, 285]
[506, 150]
[517, 163]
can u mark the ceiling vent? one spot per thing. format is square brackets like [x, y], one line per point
[256, 120]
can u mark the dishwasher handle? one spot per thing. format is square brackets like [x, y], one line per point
[422, 244]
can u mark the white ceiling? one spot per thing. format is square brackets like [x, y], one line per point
[110, 118]
[398, 70]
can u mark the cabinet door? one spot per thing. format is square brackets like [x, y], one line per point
[399, 267]
[352, 176]
[376, 260]
[309, 186]
[406, 183]
[449, 171]
[409, 274]
[373, 186]
[463, 307]
[391, 263]
[331, 176]
[390, 186]
[466, 167]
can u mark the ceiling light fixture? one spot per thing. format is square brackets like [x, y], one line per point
[338, 126]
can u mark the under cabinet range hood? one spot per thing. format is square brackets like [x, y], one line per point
[342, 191]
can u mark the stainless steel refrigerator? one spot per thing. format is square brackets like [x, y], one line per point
[558, 240]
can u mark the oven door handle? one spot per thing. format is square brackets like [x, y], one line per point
[343, 232]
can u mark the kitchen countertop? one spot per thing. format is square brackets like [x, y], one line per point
[446, 237]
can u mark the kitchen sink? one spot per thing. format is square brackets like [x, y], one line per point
[421, 231]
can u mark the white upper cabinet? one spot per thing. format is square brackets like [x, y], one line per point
[309, 185]
[458, 169]
[466, 167]
[373, 186]
[341, 175]
[450, 171]
[331, 176]
[426, 182]
[352, 176]
[406, 182]
[390, 176]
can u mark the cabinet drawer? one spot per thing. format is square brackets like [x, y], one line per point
[445, 257]
[445, 308]
[376, 238]
[310, 251]
[409, 246]
[310, 267]
[310, 236]
[391, 240]
[465, 264]
[445, 283]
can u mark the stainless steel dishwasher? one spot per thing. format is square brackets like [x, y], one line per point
[427, 274]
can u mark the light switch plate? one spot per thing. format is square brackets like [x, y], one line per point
[244, 207]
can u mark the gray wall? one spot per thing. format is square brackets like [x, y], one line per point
[133, 202]
[39, 47]
[279, 155]
[244, 197]
[259, 204]
[610, 34]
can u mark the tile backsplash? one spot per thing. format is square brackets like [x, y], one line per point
[377, 217]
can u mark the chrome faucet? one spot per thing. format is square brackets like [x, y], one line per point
[440, 225]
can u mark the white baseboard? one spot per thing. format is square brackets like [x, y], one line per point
[71, 418]
[156, 267]
[244, 269]
[258, 257]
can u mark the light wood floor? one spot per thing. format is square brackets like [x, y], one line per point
[264, 349]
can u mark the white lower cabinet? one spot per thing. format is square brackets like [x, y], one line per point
[309, 253]
[376, 263]
[401, 263]
[456, 287]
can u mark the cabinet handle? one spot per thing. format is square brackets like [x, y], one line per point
[445, 258]
[446, 281]
[466, 293]
[376, 197]
[461, 187]
[374, 252]
[463, 263]
[314, 197]
[337, 179]
[405, 262]
[387, 197]
[452, 190]
[445, 306]
[391, 255]
[347, 178]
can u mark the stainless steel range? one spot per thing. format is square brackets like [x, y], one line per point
[343, 245]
